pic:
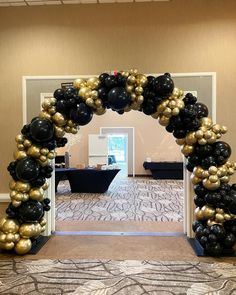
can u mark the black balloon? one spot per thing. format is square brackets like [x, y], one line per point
[189, 99]
[218, 231]
[27, 169]
[201, 110]
[163, 85]
[59, 94]
[229, 240]
[208, 162]
[70, 93]
[103, 77]
[199, 201]
[203, 150]
[62, 106]
[82, 115]
[110, 81]
[41, 130]
[30, 211]
[118, 98]
[221, 152]
[200, 190]
[214, 249]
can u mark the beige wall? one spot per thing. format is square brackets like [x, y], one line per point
[180, 36]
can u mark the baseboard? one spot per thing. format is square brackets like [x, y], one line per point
[4, 198]
[140, 175]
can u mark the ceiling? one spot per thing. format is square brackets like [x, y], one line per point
[7, 3]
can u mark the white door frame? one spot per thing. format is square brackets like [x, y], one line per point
[133, 135]
[188, 192]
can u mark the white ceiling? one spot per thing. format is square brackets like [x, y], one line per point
[7, 3]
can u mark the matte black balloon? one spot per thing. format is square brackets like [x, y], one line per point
[208, 162]
[71, 102]
[30, 211]
[200, 190]
[103, 77]
[221, 152]
[201, 110]
[213, 198]
[199, 201]
[41, 130]
[193, 125]
[59, 94]
[188, 111]
[203, 240]
[233, 186]
[103, 94]
[27, 169]
[179, 133]
[121, 80]
[212, 238]
[118, 98]
[229, 240]
[163, 85]
[203, 150]
[38, 182]
[149, 108]
[176, 122]
[82, 115]
[199, 232]
[196, 224]
[190, 166]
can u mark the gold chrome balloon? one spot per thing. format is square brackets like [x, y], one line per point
[36, 194]
[18, 155]
[34, 151]
[79, 83]
[59, 119]
[22, 187]
[10, 226]
[59, 131]
[45, 115]
[23, 246]
[20, 138]
[93, 83]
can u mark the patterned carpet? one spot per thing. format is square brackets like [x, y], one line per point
[128, 199]
[96, 277]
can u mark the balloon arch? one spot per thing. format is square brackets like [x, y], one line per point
[184, 117]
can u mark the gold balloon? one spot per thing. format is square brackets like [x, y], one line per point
[225, 179]
[25, 197]
[93, 83]
[223, 129]
[202, 141]
[227, 217]
[59, 119]
[52, 110]
[164, 121]
[74, 130]
[68, 129]
[199, 214]
[10, 226]
[19, 138]
[210, 185]
[36, 194]
[195, 179]
[45, 186]
[138, 90]
[27, 143]
[10, 237]
[94, 94]
[43, 222]
[79, 83]
[199, 134]
[213, 178]
[216, 128]
[23, 246]
[29, 230]
[197, 171]
[2, 237]
[51, 156]
[208, 212]
[83, 91]
[141, 80]
[44, 151]
[131, 80]
[20, 147]
[211, 222]
[180, 141]
[22, 187]
[43, 158]
[18, 197]
[12, 184]
[45, 115]
[187, 149]
[219, 217]
[70, 123]
[59, 131]
[7, 246]
[206, 122]
[175, 111]
[167, 112]
[46, 104]
[205, 174]
[90, 102]
[34, 151]
[98, 103]
[2, 221]
[18, 155]
[16, 203]
[213, 170]
[212, 139]
[52, 100]
[140, 99]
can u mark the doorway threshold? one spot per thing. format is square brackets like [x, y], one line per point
[119, 233]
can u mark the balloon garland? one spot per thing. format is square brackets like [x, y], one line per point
[184, 117]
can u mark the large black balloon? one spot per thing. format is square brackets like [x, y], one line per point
[30, 211]
[41, 130]
[27, 169]
[163, 85]
[82, 115]
[118, 98]
[59, 94]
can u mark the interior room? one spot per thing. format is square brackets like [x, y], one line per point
[106, 193]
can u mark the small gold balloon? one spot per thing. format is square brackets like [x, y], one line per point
[202, 141]
[175, 111]
[197, 171]
[213, 178]
[94, 94]
[2, 221]
[23, 246]
[45, 186]
[199, 134]
[225, 179]
[216, 128]
[36, 194]
[20, 138]
[205, 174]
[70, 123]
[45, 115]
[12, 184]
[212, 139]
[211, 185]
[79, 83]
[22, 187]
[27, 230]
[167, 112]
[10, 226]
[18, 197]
[213, 170]
[180, 141]
[223, 129]
[7, 246]
[52, 100]
[90, 102]
[34, 151]
[68, 129]
[74, 130]
[138, 90]
[208, 212]
[141, 80]
[59, 131]
[43, 158]
[211, 222]
[44, 151]
[25, 197]
[43, 222]
[10, 238]
[206, 122]
[59, 119]
[46, 104]
[131, 80]
[51, 156]
[140, 99]
[187, 149]
[163, 120]
[219, 217]
[93, 83]
[2, 237]
[52, 110]
[98, 103]
[18, 155]
[88, 94]
[227, 217]
[195, 179]
[27, 143]
[199, 214]
[20, 147]
[207, 134]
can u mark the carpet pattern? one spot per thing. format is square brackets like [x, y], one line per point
[107, 277]
[128, 199]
